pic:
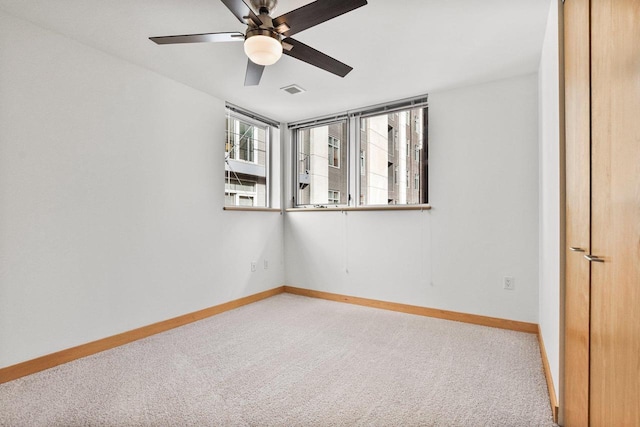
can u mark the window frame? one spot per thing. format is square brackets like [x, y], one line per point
[422, 163]
[295, 144]
[357, 137]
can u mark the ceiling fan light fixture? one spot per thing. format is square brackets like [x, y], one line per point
[263, 47]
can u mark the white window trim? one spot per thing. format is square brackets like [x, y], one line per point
[237, 194]
[336, 197]
[236, 136]
[338, 146]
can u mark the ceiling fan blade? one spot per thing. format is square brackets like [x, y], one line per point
[254, 74]
[315, 13]
[241, 10]
[199, 38]
[318, 59]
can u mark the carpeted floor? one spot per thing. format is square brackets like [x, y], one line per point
[296, 361]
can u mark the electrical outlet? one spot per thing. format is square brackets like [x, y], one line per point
[266, 264]
[509, 283]
[253, 266]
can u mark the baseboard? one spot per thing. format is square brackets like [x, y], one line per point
[475, 319]
[547, 374]
[49, 361]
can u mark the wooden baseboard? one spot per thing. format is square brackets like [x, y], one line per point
[49, 361]
[532, 328]
[475, 319]
[547, 374]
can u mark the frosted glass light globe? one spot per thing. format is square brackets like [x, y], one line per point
[263, 50]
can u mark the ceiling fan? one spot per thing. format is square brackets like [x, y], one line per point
[267, 38]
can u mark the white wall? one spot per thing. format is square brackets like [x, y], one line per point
[111, 194]
[483, 159]
[550, 195]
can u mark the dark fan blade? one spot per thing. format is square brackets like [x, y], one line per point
[315, 13]
[318, 59]
[241, 10]
[254, 74]
[199, 38]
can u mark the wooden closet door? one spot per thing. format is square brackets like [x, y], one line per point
[615, 238]
[578, 170]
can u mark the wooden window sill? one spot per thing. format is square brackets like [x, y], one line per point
[250, 209]
[424, 207]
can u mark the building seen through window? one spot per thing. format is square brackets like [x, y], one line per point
[372, 157]
[322, 171]
[246, 175]
[387, 166]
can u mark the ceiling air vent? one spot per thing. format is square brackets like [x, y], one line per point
[293, 89]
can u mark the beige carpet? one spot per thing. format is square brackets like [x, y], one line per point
[296, 361]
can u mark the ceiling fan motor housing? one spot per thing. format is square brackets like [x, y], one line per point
[261, 5]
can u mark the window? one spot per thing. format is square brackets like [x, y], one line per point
[241, 193]
[382, 185]
[389, 150]
[334, 197]
[320, 178]
[246, 160]
[241, 144]
[334, 152]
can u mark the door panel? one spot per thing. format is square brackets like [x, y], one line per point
[578, 139]
[615, 283]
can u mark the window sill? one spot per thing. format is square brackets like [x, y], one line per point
[250, 209]
[364, 208]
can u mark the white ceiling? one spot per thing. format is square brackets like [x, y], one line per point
[398, 48]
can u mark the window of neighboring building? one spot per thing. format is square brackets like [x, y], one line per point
[246, 161]
[320, 178]
[334, 152]
[334, 197]
[241, 193]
